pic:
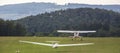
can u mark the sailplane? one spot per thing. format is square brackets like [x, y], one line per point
[55, 45]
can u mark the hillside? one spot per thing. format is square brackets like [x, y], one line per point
[106, 23]
[17, 11]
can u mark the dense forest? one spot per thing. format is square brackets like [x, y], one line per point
[105, 22]
[10, 28]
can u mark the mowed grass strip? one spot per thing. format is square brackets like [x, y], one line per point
[102, 45]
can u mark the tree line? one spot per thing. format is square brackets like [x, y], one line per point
[10, 28]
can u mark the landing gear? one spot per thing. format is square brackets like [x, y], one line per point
[77, 37]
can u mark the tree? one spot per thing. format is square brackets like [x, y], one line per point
[9, 28]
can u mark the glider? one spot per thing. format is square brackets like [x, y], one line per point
[55, 45]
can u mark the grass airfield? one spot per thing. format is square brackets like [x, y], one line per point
[101, 45]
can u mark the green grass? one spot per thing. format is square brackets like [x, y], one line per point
[102, 45]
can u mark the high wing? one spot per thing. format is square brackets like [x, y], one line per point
[75, 44]
[68, 31]
[37, 43]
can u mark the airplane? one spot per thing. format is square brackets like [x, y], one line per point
[55, 45]
[76, 33]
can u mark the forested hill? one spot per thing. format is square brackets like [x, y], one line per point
[106, 23]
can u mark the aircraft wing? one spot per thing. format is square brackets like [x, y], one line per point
[68, 31]
[37, 43]
[65, 31]
[75, 44]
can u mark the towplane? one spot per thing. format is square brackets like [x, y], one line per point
[76, 33]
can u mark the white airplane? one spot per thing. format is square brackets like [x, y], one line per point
[76, 33]
[55, 45]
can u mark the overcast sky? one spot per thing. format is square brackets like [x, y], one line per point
[61, 2]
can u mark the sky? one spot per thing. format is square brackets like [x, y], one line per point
[62, 2]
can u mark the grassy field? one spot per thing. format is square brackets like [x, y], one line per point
[102, 45]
